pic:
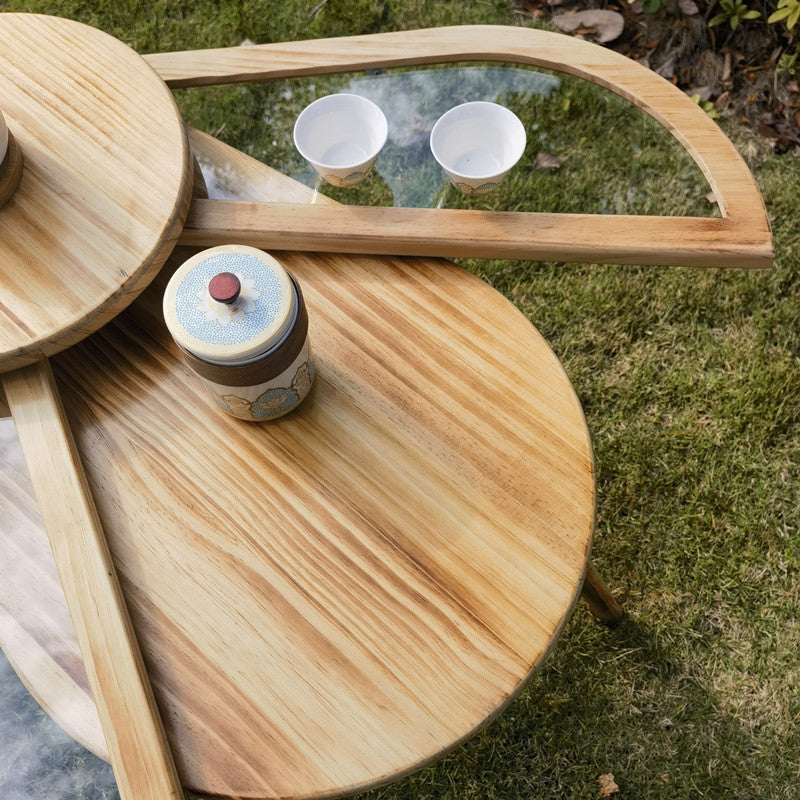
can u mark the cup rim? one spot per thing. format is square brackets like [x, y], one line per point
[325, 99]
[497, 109]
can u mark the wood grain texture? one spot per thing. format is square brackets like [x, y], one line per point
[134, 735]
[742, 238]
[329, 601]
[104, 191]
[105, 186]
[456, 233]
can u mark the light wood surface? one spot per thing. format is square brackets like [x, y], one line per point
[455, 233]
[741, 238]
[105, 185]
[331, 600]
[104, 191]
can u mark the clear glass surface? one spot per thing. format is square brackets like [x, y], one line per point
[588, 150]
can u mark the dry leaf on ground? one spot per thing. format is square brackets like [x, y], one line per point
[608, 785]
[548, 161]
[608, 24]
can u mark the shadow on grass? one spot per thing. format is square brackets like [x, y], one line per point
[618, 701]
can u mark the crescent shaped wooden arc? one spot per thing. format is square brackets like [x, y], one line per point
[740, 238]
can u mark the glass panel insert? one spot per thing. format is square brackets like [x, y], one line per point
[588, 150]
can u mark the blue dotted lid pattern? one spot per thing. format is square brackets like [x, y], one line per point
[259, 301]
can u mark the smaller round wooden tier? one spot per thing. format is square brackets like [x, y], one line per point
[105, 186]
[332, 600]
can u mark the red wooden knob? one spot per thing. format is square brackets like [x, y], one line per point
[224, 288]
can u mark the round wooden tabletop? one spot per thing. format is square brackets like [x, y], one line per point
[104, 189]
[331, 600]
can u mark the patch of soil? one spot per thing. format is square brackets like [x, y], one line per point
[734, 70]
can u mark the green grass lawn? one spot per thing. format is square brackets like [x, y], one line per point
[690, 380]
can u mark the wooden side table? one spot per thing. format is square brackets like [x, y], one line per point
[332, 600]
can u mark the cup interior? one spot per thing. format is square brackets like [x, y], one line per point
[478, 140]
[340, 131]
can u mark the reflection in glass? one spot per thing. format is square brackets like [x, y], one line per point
[589, 151]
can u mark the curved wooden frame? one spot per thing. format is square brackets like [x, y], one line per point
[740, 238]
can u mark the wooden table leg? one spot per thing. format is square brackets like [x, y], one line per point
[600, 600]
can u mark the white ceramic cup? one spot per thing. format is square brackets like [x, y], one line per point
[3, 138]
[477, 144]
[340, 135]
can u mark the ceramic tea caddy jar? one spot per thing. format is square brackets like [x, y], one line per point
[241, 324]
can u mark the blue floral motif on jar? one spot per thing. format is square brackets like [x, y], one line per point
[274, 402]
[236, 406]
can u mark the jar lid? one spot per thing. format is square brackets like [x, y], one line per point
[230, 304]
